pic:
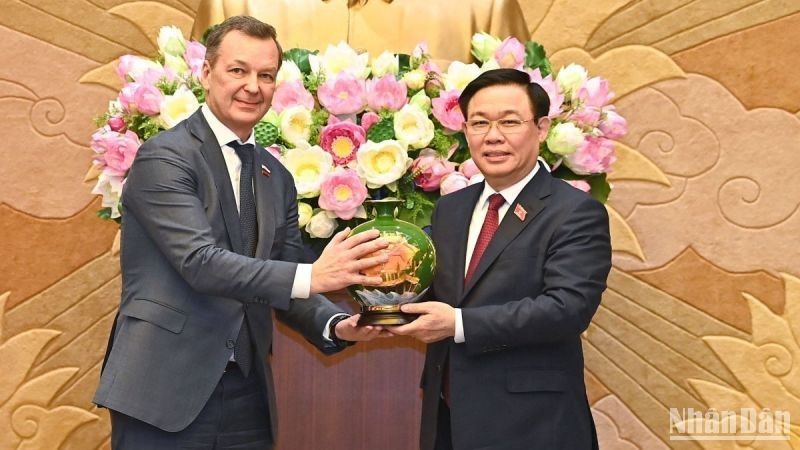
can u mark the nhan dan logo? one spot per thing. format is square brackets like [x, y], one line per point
[689, 424]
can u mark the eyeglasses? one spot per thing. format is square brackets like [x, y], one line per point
[505, 126]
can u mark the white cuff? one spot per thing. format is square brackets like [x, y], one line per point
[326, 332]
[301, 287]
[459, 337]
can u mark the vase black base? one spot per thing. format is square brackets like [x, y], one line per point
[385, 315]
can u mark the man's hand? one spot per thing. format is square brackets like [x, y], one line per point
[437, 321]
[341, 262]
[348, 330]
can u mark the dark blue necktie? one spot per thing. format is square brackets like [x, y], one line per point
[243, 350]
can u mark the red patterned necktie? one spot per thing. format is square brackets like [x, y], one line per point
[490, 224]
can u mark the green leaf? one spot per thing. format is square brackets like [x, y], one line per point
[144, 126]
[167, 87]
[101, 120]
[319, 118]
[104, 213]
[442, 142]
[299, 56]
[418, 208]
[197, 89]
[418, 205]
[404, 64]
[312, 82]
[536, 58]
[462, 154]
[600, 188]
[381, 131]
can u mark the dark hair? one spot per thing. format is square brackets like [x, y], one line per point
[502, 77]
[248, 25]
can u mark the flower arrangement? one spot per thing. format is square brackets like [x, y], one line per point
[350, 128]
[157, 95]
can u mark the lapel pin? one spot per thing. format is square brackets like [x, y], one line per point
[265, 170]
[520, 212]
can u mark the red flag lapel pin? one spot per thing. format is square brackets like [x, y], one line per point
[520, 212]
[265, 170]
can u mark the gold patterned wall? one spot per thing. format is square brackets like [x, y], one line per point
[703, 305]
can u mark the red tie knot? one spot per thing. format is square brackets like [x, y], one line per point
[496, 201]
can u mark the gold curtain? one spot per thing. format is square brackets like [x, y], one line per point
[375, 25]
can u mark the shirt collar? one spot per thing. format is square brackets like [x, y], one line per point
[510, 193]
[223, 134]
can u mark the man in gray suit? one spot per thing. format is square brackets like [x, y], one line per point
[210, 247]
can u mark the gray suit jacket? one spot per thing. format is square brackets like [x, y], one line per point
[517, 381]
[185, 284]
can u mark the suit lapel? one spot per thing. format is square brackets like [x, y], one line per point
[531, 200]
[219, 170]
[266, 205]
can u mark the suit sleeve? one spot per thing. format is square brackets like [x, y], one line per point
[307, 316]
[161, 192]
[576, 265]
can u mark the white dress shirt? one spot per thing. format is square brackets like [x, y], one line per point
[510, 195]
[301, 286]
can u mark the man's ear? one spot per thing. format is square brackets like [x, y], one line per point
[544, 128]
[204, 75]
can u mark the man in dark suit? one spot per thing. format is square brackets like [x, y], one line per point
[522, 261]
[210, 247]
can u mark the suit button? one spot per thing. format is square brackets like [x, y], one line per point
[230, 343]
[438, 367]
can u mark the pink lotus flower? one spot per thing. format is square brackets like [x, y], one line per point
[613, 125]
[154, 75]
[124, 65]
[510, 54]
[430, 67]
[118, 151]
[595, 92]
[291, 93]
[553, 91]
[421, 50]
[342, 192]
[452, 182]
[344, 94]
[580, 184]
[447, 111]
[588, 116]
[100, 139]
[194, 56]
[429, 169]
[369, 119]
[275, 150]
[595, 155]
[125, 97]
[130, 67]
[342, 139]
[148, 99]
[469, 168]
[386, 93]
[116, 123]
